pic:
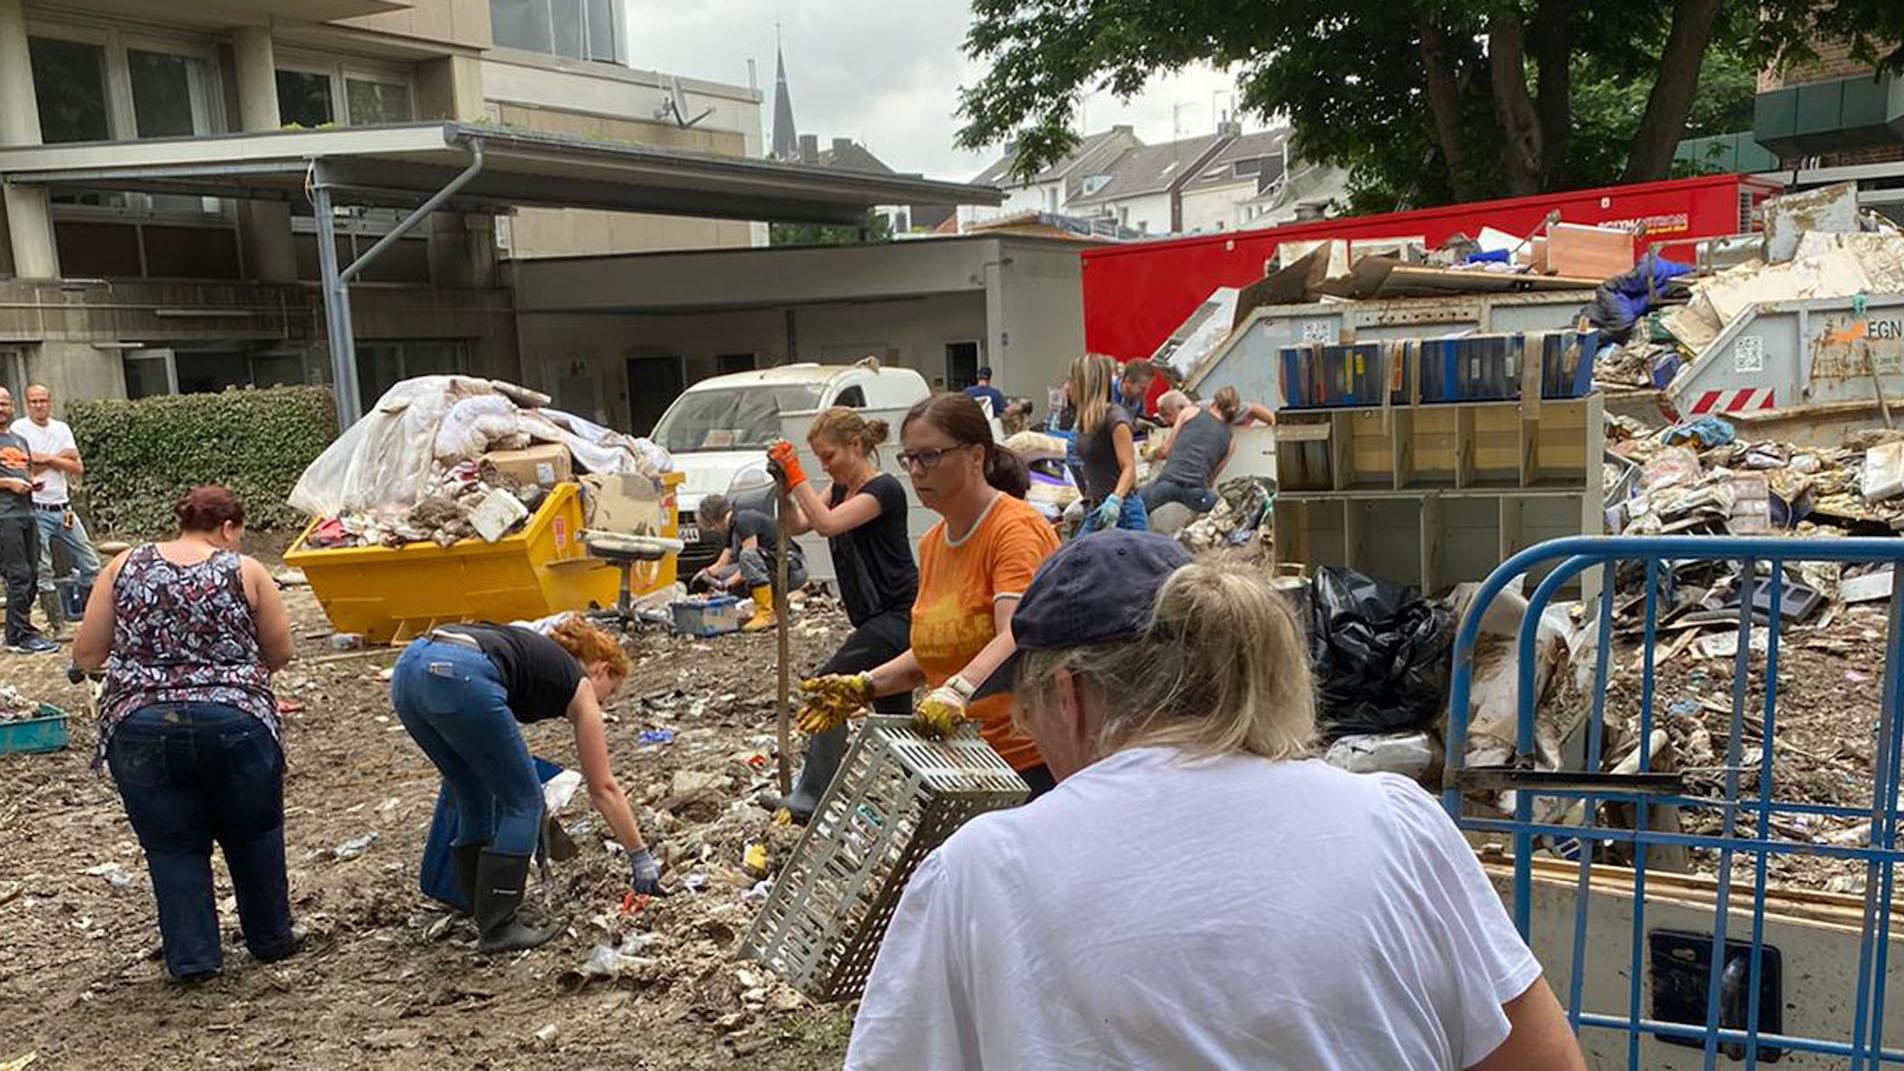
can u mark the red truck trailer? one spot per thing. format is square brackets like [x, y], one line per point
[1135, 295]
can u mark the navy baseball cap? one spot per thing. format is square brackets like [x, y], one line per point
[1095, 589]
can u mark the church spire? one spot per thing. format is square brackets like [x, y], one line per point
[786, 140]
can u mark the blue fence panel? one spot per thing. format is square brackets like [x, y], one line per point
[1745, 821]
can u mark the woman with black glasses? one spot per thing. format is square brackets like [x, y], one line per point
[973, 566]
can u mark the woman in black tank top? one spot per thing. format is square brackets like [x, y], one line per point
[863, 518]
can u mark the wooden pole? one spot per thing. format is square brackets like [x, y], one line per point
[783, 714]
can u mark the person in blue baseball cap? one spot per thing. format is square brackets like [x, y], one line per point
[1198, 890]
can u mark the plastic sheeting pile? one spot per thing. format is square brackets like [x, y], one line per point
[411, 469]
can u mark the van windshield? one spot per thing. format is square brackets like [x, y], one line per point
[733, 418]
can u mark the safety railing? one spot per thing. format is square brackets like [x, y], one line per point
[1745, 820]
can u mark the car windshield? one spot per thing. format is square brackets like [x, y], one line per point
[732, 418]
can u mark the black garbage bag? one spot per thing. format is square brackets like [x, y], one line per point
[1380, 652]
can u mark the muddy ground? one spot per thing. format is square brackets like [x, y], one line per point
[386, 978]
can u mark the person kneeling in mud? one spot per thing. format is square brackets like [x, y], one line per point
[463, 691]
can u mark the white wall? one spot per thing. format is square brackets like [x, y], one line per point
[1037, 319]
[904, 332]
[1212, 208]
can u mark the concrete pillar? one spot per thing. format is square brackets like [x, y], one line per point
[29, 217]
[266, 224]
[462, 248]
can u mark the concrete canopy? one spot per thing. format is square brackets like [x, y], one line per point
[404, 165]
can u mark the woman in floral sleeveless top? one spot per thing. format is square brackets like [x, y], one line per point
[188, 633]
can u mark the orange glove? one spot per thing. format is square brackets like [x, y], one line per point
[782, 454]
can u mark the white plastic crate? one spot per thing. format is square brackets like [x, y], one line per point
[898, 796]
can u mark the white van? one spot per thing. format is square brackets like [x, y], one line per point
[722, 425]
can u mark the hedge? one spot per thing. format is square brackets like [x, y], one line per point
[142, 455]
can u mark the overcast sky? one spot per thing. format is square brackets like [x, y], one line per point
[882, 72]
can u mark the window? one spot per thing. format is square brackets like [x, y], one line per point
[727, 363]
[381, 365]
[1094, 183]
[578, 29]
[1246, 168]
[304, 99]
[368, 101]
[853, 397]
[69, 80]
[149, 373]
[171, 94]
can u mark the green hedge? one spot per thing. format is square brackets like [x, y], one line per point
[142, 455]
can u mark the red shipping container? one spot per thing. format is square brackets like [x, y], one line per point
[1135, 295]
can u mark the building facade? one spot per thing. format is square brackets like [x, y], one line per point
[1054, 189]
[112, 293]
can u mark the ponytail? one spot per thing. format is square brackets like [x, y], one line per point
[1227, 404]
[841, 425]
[962, 421]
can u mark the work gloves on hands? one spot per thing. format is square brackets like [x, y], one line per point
[781, 453]
[644, 873]
[941, 711]
[1110, 510]
[826, 702]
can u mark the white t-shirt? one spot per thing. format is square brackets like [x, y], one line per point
[1157, 912]
[46, 441]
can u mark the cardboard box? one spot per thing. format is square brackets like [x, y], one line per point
[546, 464]
[1589, 252]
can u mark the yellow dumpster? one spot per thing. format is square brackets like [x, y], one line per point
[390, 595]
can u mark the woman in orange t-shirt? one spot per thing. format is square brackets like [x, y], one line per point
[973, 566]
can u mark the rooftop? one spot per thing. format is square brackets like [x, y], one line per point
[1151, 169]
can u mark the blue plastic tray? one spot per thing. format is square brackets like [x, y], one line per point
[33, 735]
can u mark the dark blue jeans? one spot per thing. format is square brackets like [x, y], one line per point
[191, 774]
[1164, 491]
[452, 702]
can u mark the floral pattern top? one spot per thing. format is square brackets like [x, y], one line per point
[182, 634]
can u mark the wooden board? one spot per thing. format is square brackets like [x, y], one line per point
[1592, 252]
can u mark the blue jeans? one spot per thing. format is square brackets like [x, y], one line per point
[1163, 491]
[191, 774]
[53, 530]
[452, 702]
[754, 573]
[1133, 516]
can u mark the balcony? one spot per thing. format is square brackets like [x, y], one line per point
[1843, 114]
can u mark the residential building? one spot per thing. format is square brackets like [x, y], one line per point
[1218, 197]
[1833, 111]
[1053, 188]
[159, 233]
[1142, 189]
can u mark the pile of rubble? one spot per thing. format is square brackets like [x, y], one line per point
[15, 706]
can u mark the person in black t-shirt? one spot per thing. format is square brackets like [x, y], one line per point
[463, 691]
[863, 517]
[751, 558]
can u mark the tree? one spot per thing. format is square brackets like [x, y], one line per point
[878, 229]
[1423, 101]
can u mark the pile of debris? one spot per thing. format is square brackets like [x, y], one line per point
[15, 706]
[446, 458]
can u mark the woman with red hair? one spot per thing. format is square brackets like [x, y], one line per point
[189, 632]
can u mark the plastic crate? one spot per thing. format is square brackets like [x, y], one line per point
[897, 796]
[29, 736]
[706, 617]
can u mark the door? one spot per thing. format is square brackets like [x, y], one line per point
[961, 365]
[653, 384]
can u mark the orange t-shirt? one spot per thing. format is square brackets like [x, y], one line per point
[952, 618]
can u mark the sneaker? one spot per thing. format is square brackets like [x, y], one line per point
[33, 645]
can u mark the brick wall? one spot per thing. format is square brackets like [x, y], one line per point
[1834, 61]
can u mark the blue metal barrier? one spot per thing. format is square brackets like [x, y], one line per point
[1745, 823]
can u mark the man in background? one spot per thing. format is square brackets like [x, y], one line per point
[55, 458]
[19, 537]
[985, 392]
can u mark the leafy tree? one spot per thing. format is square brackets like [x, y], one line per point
[878, 229]
[1423, 100]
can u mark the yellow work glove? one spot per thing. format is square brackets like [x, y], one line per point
[941, 711]
[826, 702]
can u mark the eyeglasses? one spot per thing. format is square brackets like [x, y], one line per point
[924, 460]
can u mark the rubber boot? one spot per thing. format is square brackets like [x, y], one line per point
[822, 762]
[54, 612]
[466, 857]
[764, 617]
[500, 881]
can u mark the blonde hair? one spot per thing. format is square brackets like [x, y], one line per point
[1222, 669]
[590, 645]
[840, 425]
[1090, 381]
[1227, 404]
